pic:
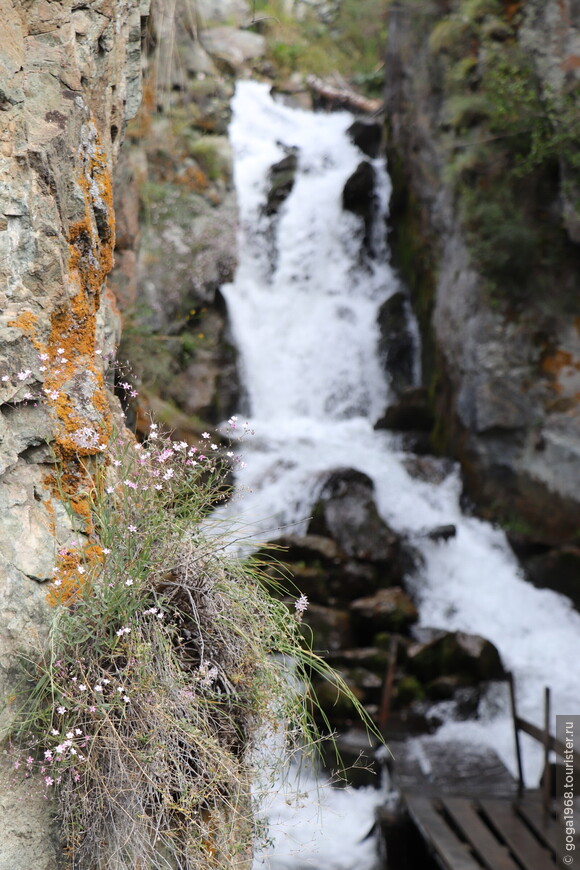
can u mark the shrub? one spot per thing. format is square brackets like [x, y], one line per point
[141, 713]
[450, 36]
[463, 111]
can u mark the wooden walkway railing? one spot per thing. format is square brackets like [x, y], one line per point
[470, 812]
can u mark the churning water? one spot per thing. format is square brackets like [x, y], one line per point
[303, 309]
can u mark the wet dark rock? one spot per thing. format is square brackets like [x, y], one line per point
[372, 658]
[330, 627]
[282, 178]
[411, 412]
[442, 533]
[306, 548]
[347, 513]
[419, 443]
[396, 343]
[442, 688]
[316, 565]
[468, 656]
[558, 569]
[432, 469]
[387, 610]
[359, 191]
[367, 136]
[408, 690]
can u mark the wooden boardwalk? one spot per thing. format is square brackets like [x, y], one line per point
[465, 805]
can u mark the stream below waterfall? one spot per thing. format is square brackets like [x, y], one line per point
[303, 312]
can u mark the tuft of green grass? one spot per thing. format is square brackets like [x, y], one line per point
[166, 657]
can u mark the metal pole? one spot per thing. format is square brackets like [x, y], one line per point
[547, 790]
[521, 784]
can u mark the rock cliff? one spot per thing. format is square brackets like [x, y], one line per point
[70, 79]
[482, 108]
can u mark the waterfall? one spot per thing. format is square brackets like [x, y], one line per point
[303, 309]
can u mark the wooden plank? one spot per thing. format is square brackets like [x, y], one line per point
[545, 827]
[435, 767]
[517, 836]
[493, 854]
[453, 854]
[538, 734]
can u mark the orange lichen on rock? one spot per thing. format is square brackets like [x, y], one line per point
[75, 383]
[26, 323]
[70, 578]
[558, 363]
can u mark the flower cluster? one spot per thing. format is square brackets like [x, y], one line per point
[300, 606]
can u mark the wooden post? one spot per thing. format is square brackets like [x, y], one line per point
[547, 783]
[388, 685]
[521, 784]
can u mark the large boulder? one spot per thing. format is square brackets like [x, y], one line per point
[347, 513]
[558, 569]
[469, 657]
[359, 191]
[386, 610]
[366, 135]
[281, 176]
[233, 48]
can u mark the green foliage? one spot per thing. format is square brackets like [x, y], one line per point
[351, 43]
[463, 111]
[476, 10]
[506, 141]
[164, 657]
[450, 36]
[501, 239]
[208, 157]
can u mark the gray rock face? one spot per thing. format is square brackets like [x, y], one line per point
[70, 79]
[232, 47]
[223, 11]
[508, 382]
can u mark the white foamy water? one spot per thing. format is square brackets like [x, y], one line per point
[303, 310]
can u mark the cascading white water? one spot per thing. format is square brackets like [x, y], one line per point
[303, 309]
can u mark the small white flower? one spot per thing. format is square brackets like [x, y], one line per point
[129, 581]
[80, 569]
[98, 688]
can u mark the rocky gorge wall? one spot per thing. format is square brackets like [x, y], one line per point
[70, 78]
[485, 232]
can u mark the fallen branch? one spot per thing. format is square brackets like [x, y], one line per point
[343, 96]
